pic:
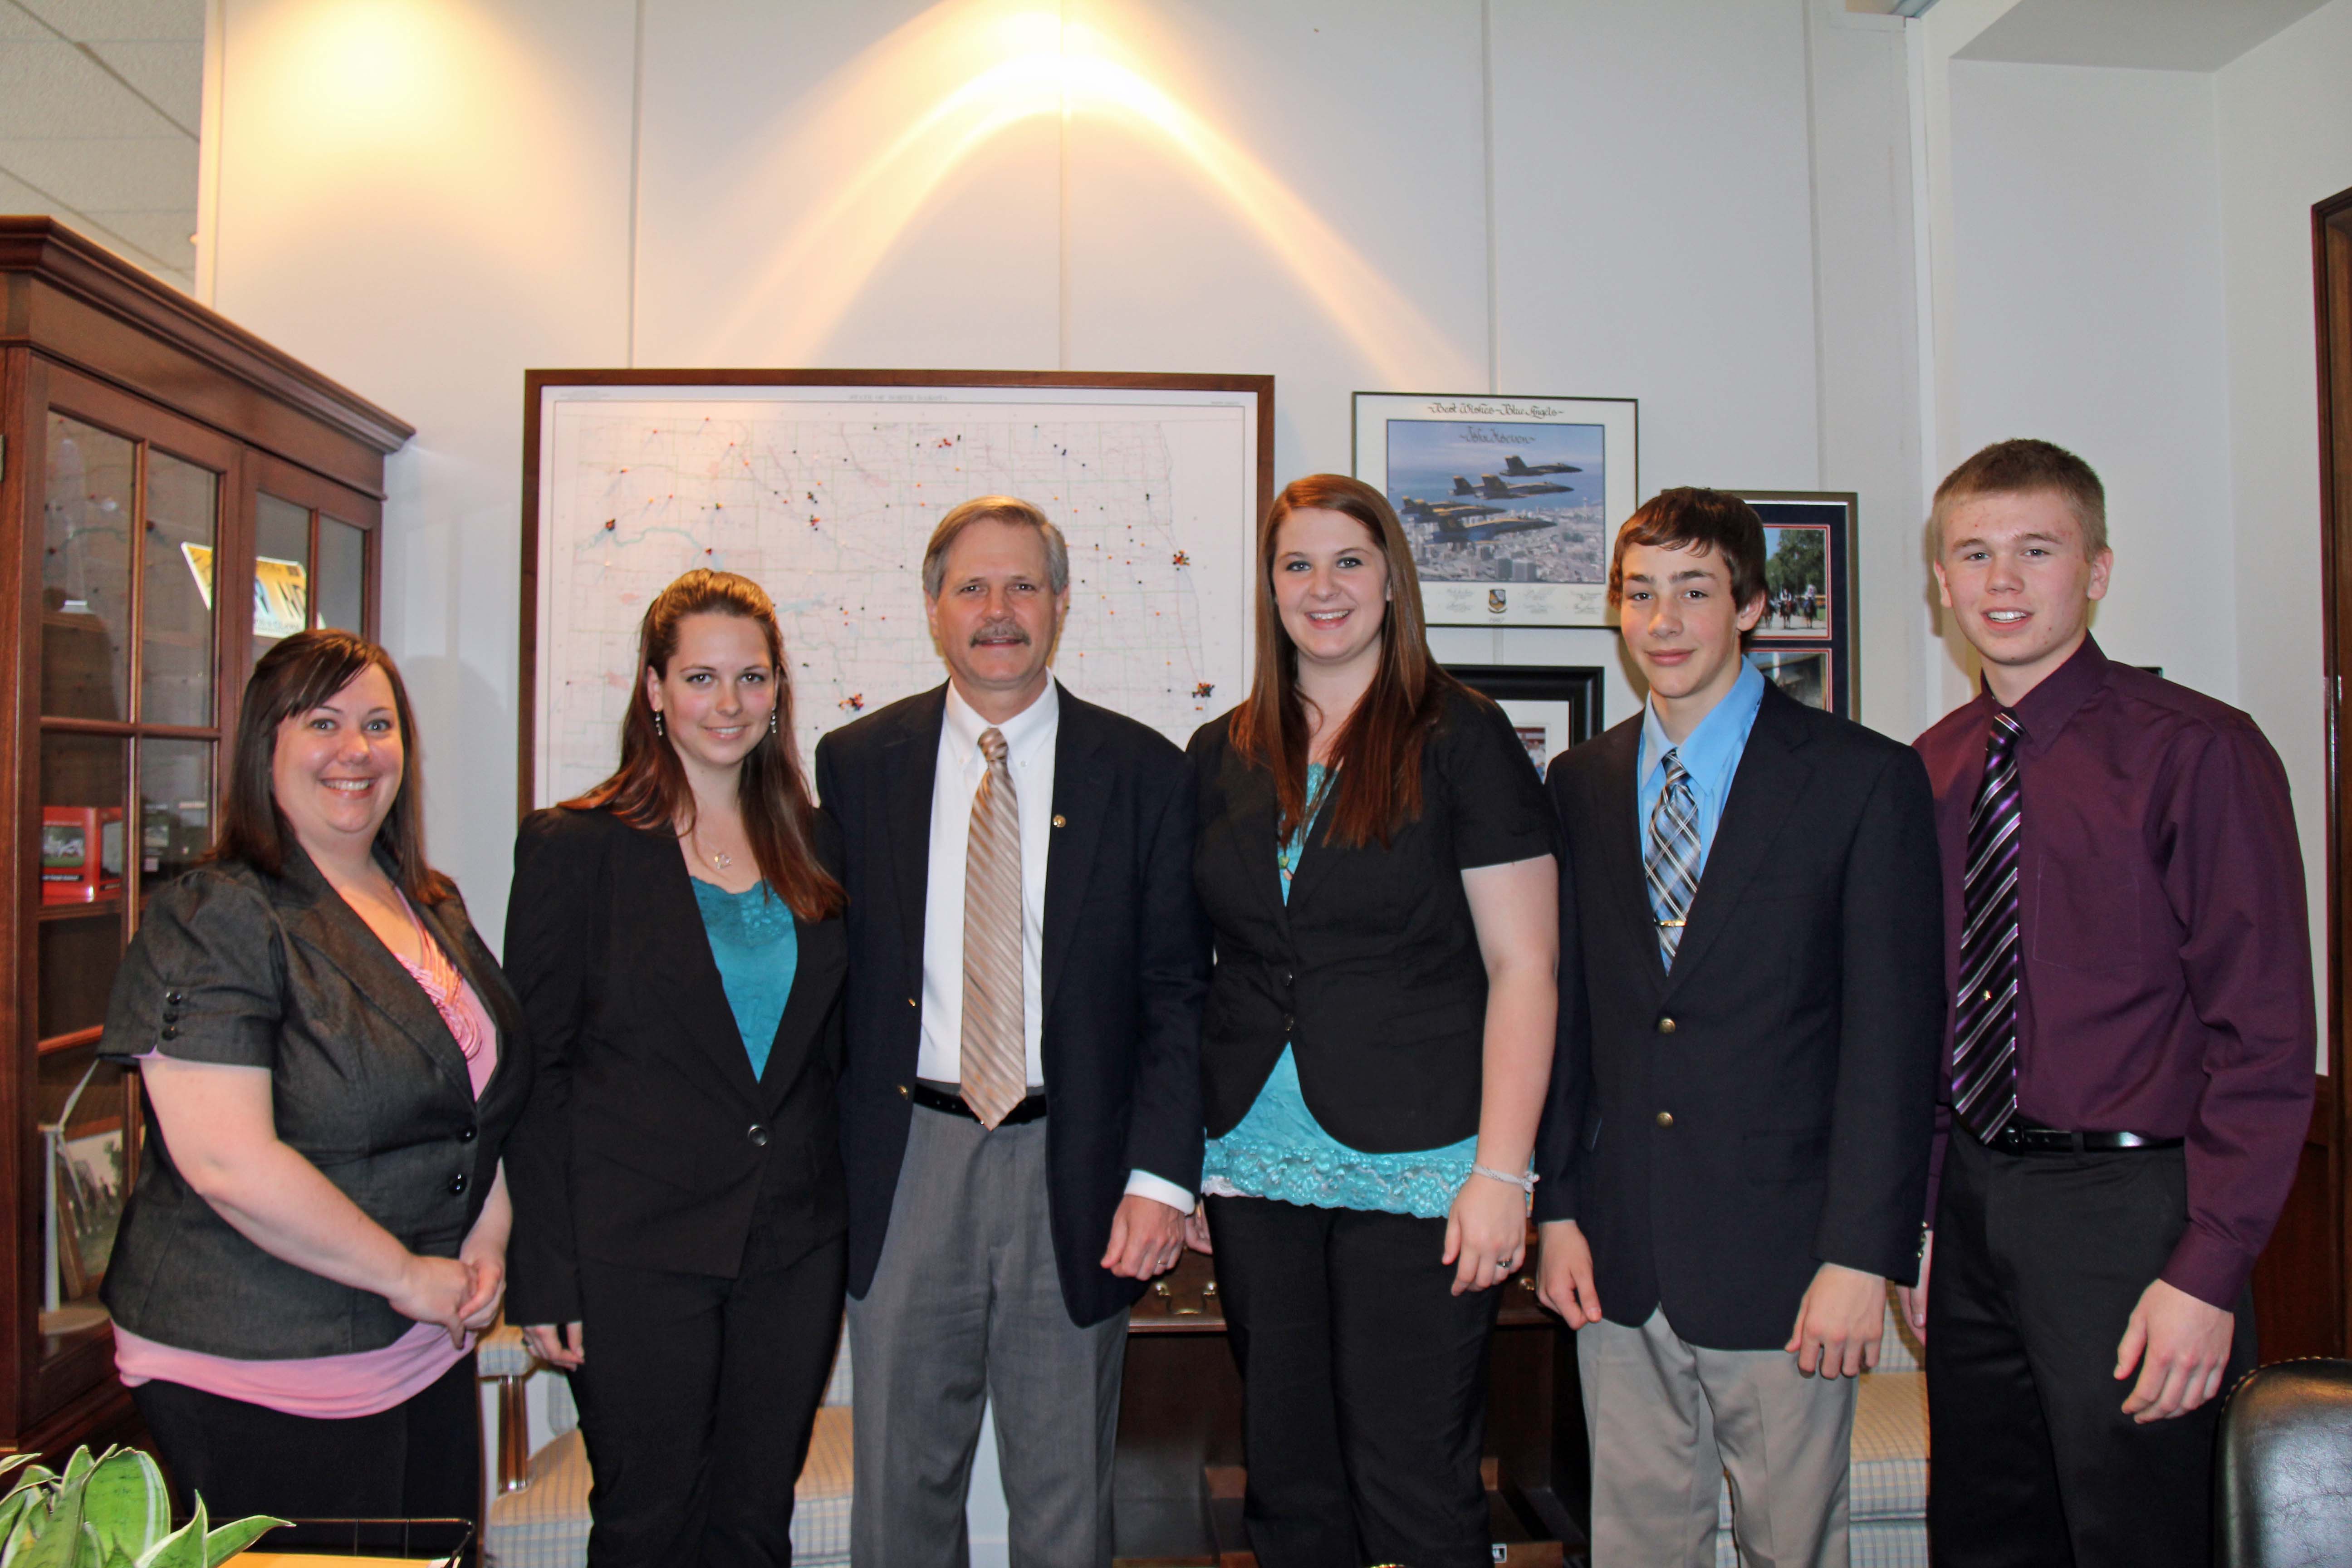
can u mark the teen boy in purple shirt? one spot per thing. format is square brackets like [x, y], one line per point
[2130, 1074]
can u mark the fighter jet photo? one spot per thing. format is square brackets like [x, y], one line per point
[1492, 488]
[1516, 467]
[1417, 510]
[1452, 531]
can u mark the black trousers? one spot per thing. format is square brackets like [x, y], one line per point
[420, 1459]
[696, 1402]
[1363, 1386]
[2039, 1261]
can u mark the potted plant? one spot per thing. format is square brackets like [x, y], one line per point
[112, 1511]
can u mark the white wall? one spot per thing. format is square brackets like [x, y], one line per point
[2087, 300]
[2285, 139]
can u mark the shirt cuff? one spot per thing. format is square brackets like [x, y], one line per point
[2209, 1269]
[1144, 1185]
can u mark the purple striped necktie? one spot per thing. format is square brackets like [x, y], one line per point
[1984, 1030]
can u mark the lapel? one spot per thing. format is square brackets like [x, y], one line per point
[668, 913]
[1769, 780]
[1082, 793]
[1249, 817]
[1314, 856]
[910, 765]
[456, 937]
[317, 916]
[1621, 841]
[821, 952]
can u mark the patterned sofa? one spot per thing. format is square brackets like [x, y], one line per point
[538, 1518]
[1888, 1495]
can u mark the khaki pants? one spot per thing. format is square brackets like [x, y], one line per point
[1669, 1419]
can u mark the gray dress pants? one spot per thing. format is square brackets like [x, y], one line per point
[966, 1313]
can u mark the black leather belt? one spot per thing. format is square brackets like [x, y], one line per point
[2022, 1137]
[931, 1099]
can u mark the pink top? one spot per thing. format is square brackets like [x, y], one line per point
[367, 1382]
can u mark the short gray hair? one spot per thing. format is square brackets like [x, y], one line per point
[998, 509]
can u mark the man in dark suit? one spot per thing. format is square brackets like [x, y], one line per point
[1021, 1110]
[1736, 1148]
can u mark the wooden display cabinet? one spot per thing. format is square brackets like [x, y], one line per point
[175, 496]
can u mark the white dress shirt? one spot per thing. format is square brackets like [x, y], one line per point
[1029, 737]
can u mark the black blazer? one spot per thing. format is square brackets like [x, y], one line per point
[647, 1141]
[1371, 973]
[1794, 1047]
[1125, 965]
[247, 970]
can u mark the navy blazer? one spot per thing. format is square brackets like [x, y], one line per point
[1720, 1131]
[647, 1141]
[1124, 968]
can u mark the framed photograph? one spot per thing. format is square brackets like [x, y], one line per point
[1552, 707]
[1507, 501]
[1804, 644]
[823, 487]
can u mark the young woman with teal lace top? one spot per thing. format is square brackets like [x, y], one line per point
[1377, 858]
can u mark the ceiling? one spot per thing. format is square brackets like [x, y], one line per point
[2147, 35]
[100, 101]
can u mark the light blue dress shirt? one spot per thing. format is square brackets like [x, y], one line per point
[1710, 755]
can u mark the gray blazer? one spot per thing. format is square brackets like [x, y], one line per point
[236, 967]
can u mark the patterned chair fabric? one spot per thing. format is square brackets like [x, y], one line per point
[1888, 1496]
[545, 1523]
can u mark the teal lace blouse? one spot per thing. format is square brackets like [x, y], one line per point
[758, 950]
[1279, 1151]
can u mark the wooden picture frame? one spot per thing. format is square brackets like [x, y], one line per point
[1217, 441]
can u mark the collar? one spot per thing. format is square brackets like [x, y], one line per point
[2043, 711]
[1712, 749]
[1025, 733]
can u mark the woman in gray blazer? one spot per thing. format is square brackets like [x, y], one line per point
[333, 1061]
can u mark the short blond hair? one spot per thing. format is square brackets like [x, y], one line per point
[995, 508]
[2025, 467]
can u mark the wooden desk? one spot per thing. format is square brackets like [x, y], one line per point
[1178, 1484]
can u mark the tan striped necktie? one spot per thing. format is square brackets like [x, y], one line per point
[995, 1063]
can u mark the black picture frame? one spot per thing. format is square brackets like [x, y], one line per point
[1525, 686]
[1805, 643]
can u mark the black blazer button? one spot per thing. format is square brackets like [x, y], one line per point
[458, 1183]
[467, 1135]
[1289, 1024]
[758, 1135]
[904, 1093]
[1665, 1118]
[170, 1031]
[1665, 1025]
[174, 998]
[1288, 979]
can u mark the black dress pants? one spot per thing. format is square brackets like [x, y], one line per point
[2039, 1261]
[420, 1459]
[1363, 1385]
[696, 1398]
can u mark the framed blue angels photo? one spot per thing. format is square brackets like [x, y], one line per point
[1804, 643]
[1509, 503]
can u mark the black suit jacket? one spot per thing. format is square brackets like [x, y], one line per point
[1123, 972]
[647, 1141]
[1794, 1046]
[1370, 972]
[237, 967]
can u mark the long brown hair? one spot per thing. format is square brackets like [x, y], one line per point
[650, 789]
[293, 677]
[1376, 756]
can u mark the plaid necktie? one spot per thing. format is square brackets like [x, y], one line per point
[1671, 867]
[995, 1054]
[1984, 1028]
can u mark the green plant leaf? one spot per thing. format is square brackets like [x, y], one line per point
[81, 1465]
[125, 1502]
[10, 1461]
[233, 1537]
[56, 1534]
[118, 1558]
[91, 1551]
[184, 1548]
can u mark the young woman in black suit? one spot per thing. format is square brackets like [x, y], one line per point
[674, 934]
[1377, 858]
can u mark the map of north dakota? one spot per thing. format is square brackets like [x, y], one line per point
[828, 505]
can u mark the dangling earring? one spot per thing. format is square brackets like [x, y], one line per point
[771, 721]
[659, 728]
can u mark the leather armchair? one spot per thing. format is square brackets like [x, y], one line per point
[2283, 1485]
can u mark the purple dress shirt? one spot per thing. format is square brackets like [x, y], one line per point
[2165, 974]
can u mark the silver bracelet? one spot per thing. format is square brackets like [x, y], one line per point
[1526, 1184]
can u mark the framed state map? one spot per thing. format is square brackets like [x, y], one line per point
[824, 486]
